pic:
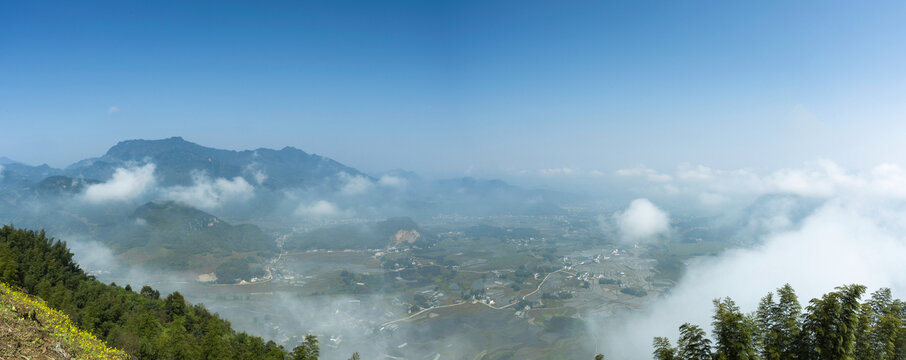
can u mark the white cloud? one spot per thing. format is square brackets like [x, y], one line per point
[355, 185]
[557, 171]
[126, 184]
[1, 172]
[260, 176]
[255, 172]
[650, 174]
[641, 221]
[320, 208]
[700, 172]
[208, 194]
[819, 179]
[113, 110]
[864, 244]
[392, 181]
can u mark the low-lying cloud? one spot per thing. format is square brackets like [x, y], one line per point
[207, 194]
[317, 209]
[355, 184]
[819, 179]
[641, 221]
[126, 184]
[816, 227]
[843, 242]
[650, 174]
[392, 181]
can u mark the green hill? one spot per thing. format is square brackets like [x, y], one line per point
[142, 324]
[175, 236]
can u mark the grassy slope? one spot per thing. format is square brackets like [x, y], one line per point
[30, 329]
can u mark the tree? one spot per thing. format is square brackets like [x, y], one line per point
[779, 325]
[599, 357]
[176, 344]
[309, 349]
[355, 356]
[733, 332]
[663, 350]
[150, 293]
[880, 325]
[213, 344]
[693, 344]
[830, 324]
[835, 326]
[175, 305]
[142, 324]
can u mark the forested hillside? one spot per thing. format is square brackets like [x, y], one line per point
[171, 235]
[143, 324]
[837, 326]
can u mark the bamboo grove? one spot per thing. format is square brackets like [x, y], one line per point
[836, 326]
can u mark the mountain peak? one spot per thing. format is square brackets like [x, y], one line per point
[130, 149]
[177, 160]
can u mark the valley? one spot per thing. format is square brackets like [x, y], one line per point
[532, 290]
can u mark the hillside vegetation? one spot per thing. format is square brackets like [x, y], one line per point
[31, 329]
[837, 326]
[174, 236]
[142, 324]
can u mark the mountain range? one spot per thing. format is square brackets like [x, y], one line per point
[179, 163]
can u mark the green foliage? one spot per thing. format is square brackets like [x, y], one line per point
[779, 324]
[141, 324]
[835, 326]
[831, 323]
[634, 291]
[175, 236]
[237, 268]
[733, 331]
[663, 350]
[693, 344]
[881, 327]
[308, 350]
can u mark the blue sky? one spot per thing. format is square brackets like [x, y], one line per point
[448, 88]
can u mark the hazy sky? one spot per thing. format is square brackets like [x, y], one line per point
[455, 87]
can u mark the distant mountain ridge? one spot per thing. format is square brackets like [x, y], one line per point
[286, 171]
[178, 160]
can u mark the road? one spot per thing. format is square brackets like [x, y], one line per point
[486, 304]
